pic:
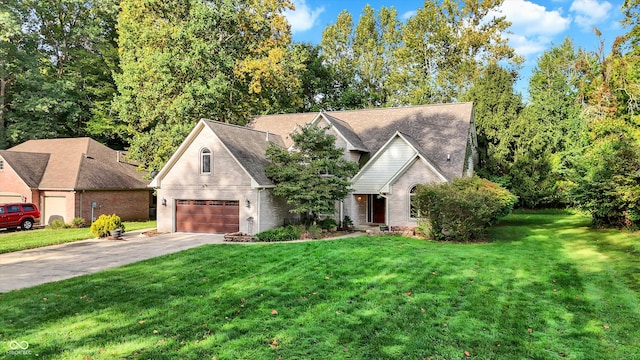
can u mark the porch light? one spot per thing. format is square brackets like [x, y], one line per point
[248, 203]
[164, 202]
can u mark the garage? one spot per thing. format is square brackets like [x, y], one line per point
[55, 208]
[6, 197]
[208, 216]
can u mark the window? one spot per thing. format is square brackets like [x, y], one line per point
[13, 209]
[414, 212]
[1, 165]
[205, 161]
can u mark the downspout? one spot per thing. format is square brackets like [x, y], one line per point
[258, 217]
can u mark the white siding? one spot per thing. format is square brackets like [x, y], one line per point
[227, 181]
[386, 165]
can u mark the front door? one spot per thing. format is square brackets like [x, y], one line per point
[378, 209]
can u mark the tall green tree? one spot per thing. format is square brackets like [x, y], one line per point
[70, 66]
[337, 49]
[444, 47]
[184, 60]
[313, 176]
[548, 127]
[496, 109]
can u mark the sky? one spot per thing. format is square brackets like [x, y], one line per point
[537, 25]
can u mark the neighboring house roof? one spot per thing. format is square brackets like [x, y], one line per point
[247, 146]
[31, 174]
[76, 164]
[439, 132]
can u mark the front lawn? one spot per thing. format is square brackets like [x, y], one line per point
[22, 240]
[547, 287]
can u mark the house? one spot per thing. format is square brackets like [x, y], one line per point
[215, 181]
[73, 177]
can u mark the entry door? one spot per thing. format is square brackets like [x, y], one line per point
[377, 209]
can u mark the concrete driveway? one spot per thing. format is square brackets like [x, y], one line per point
[28, 268]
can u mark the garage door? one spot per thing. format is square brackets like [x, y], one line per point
[10, 197]
[207, 216]
[55, 208]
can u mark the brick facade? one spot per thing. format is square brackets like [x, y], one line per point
[129, 205]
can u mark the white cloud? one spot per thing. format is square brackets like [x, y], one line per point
[590, 12]
[302, 18]
[528, 18]
[409, 14]
[532, 25]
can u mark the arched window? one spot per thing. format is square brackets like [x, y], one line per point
[414, 211]
[205, 161]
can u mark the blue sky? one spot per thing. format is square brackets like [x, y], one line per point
[537, 25]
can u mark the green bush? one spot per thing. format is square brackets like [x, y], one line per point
[347, 223]
[284, 233]
[78, 222]
[58, 224]
[462, 210]
[327, 224]
[105, 224]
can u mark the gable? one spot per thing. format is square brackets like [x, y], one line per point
[242, 151]
[391, 162]
[30, 175]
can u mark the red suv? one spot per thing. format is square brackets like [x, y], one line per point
[24, 215]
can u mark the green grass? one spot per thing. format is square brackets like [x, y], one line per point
[546, 287]
[22, 240]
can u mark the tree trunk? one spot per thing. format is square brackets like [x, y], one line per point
[3, 86]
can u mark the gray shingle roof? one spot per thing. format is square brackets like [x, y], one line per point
[440, 130]
[247, 146]
[346, 131]
[29, 167]
[82, 164]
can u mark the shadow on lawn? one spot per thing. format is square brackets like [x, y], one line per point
[525, 295]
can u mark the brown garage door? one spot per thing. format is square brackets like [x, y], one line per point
[207, 216]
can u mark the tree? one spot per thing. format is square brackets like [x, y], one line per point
[496, 108]
[186, 60]
[65, 57]
[547, 129]
[444, 47]
[314, 175]
[608, 185]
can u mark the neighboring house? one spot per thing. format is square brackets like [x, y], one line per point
[73, 177]
[215, 181]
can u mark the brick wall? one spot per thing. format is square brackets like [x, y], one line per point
[129, 205]
[398, 202]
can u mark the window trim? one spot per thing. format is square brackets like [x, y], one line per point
[206, 153]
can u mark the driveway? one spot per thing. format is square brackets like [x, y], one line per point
[28, 268]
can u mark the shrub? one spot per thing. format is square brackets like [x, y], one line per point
[462, 210]
[78, 222]
[283, 233]
[327, 224]
[103, 226]
[347, 223]
[58, 224]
